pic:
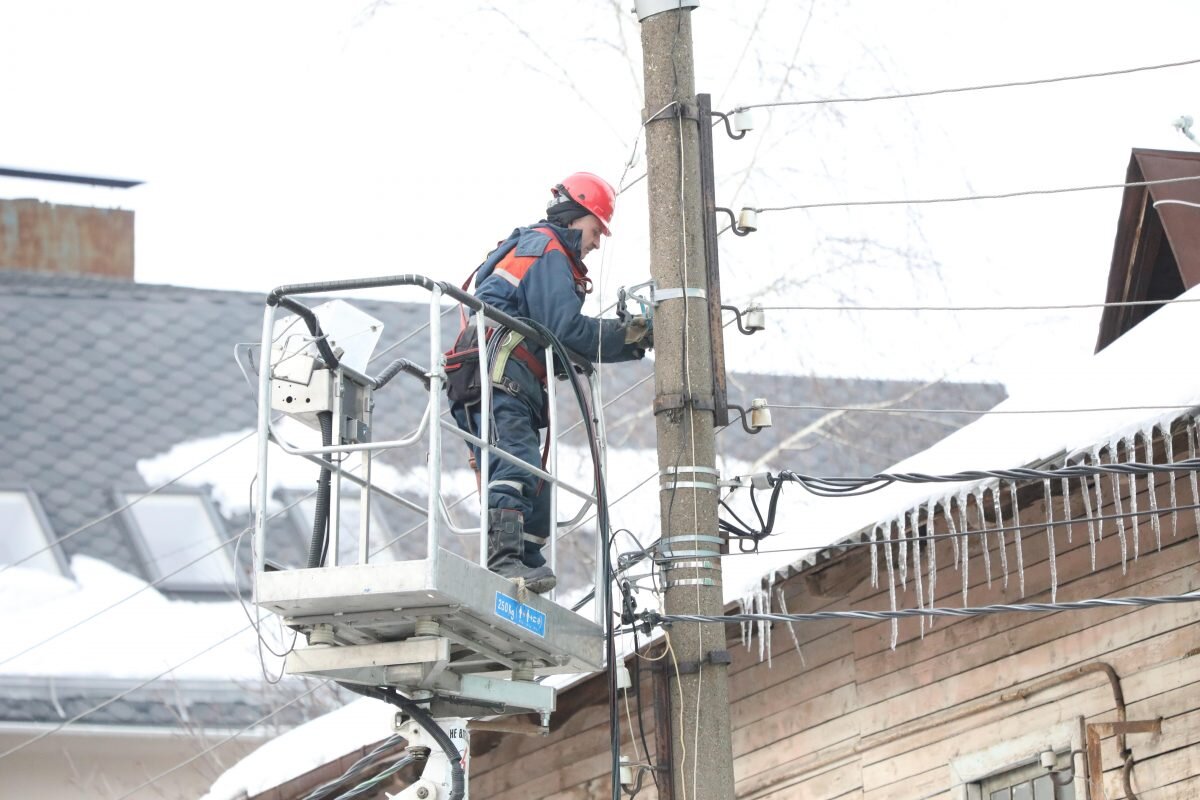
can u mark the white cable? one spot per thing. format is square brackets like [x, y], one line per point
[1176, 203]
[1047, 307]
[976, 88]
[964, 198]
[987, 412]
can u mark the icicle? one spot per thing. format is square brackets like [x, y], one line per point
[761, 600]
[947, 507]
[891, 586]
[1050, 540]
[746, 609]
[902, 551]
[875, 558]
[1087, 508]
[1169, 441]
[1152, 489]
[966, 545]
[995, 490]
[791, 627]
[1099, 496]
[1119, 509]
[1191, 437]
[1131, 455]
[982, 524]
[767, 625]
[932, 556]
[1016, 517]
[916, 554]
[1068, 517]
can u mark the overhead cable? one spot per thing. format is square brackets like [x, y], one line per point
[826, 486]
[1046, 307]
[655, 618]
[974, 88]
[984, 412]
[18, 748]
[964, 198]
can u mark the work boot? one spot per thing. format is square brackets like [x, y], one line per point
[506, 542]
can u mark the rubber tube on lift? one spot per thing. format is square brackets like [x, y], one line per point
[316, 545]
[458, 781]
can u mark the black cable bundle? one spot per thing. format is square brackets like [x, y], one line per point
[602, 521]
[765, 527]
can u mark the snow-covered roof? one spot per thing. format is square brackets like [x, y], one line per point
[1141, 378]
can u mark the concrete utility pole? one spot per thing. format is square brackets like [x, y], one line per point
[701, 751]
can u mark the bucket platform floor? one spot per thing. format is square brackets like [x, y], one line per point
[484, 630]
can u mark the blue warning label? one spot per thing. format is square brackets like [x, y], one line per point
[520, 614]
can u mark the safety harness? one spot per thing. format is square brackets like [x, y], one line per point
[462, 361]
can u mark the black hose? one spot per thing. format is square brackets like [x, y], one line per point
[396, 367]
[458, 782]
[316, 545]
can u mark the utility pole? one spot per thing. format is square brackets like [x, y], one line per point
[701, 751]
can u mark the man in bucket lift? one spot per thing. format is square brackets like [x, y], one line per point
[537, 273]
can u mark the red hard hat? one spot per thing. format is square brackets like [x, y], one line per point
[592, 192]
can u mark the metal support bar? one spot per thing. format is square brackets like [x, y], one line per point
[712, 267]
[454, 430]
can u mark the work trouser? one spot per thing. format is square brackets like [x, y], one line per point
[514, 428]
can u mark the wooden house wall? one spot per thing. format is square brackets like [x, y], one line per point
[849, 717]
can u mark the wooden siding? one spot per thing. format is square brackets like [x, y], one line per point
[855, 719]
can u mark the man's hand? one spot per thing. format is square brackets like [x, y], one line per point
[639, 331]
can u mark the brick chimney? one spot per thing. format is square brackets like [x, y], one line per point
[67, 240]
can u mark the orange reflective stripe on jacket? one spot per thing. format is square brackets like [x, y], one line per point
[513, 267]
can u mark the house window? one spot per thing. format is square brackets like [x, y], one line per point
[1012, 768]
[27, 536]
[1031, 782]
[180, 538]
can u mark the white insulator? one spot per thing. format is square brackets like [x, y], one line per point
[626, 772]
[743, 120]
[748, 219]
[755, 318]
[760, 413]
[623, 679]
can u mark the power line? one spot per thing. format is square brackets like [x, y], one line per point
[1047, 307]
[633, 558]
[964, 198]
[221, 743]
[975, 88]
[987, 412]
[121, 695]
[827, 486]
[654, 618]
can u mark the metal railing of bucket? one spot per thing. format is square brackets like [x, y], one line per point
[430, 428]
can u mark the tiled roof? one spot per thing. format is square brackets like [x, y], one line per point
[102, 373]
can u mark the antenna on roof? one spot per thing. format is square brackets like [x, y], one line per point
[63, 177]
[1184, 126]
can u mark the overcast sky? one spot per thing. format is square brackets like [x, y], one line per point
[284, 141]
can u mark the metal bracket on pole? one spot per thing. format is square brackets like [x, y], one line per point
[678, 402]
[648, 8]
[723, 657]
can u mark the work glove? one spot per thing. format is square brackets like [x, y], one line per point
[640, 331]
